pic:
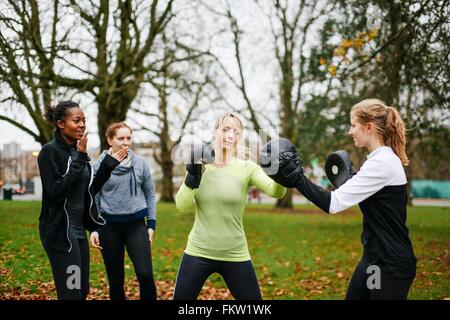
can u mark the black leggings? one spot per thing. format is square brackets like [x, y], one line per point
[71, 270]
[133, 235]
[391, 287]
[240, 278]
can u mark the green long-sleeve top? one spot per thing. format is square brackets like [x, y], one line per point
[218, 231]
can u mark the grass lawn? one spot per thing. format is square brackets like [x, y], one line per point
[297, 254]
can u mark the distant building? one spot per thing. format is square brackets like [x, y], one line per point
[17, 165]
[11, 150]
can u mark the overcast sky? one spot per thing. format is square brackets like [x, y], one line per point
[258, 75]
[259, 71]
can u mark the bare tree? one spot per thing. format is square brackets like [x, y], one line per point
[106, 57]
[26, 64]
[291, 24]
[185, 77]
[121, 64]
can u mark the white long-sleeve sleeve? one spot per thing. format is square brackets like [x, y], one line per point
[382, 168]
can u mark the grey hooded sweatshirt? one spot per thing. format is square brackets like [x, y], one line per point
[129, 194]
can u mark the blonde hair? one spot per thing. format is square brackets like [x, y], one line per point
[387, 122]
[240, 151]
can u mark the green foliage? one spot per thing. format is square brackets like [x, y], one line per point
[397, 53]
[297, 254]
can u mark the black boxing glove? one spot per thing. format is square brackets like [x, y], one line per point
[280, 160]
[200, 154]
[339, 168]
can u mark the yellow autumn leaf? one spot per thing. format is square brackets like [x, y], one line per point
[346, 43]
[332, 70]
[372, 34]
[361, 34]
[340, 52]
[358, 43]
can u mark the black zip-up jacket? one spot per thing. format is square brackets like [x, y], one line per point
[58, 173]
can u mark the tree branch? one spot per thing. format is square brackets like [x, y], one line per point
[20, 126]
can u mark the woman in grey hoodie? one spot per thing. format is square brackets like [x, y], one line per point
[127, 203]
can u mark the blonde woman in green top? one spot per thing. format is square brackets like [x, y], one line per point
[217, 241]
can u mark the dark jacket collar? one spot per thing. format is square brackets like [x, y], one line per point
[62, 143]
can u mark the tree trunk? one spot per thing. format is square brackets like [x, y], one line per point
[111, 110]
[409, 170]
[166, 146]
[409, 174]
[286, 87]
[167, 184]
[286, 202]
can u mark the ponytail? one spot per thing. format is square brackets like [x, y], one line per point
[395, 134]
[388, 123]
[48, 115]
[54, 114]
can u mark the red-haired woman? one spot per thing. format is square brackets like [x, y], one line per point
[127, 202]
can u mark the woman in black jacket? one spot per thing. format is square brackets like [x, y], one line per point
[387, 267]
[68, 207]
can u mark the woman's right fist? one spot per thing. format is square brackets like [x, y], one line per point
[200, 154]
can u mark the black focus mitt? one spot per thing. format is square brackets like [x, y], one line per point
[339, 168]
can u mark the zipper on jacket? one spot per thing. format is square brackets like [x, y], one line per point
[69, 161]
[102, 223]
[67, 232]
